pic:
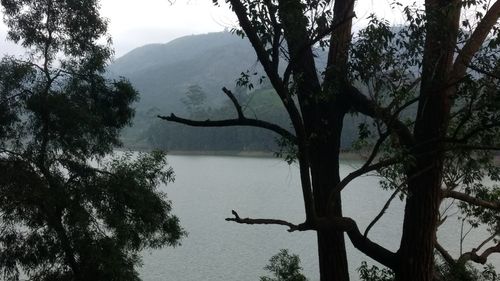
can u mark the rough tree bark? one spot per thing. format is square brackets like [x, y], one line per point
[441, 74]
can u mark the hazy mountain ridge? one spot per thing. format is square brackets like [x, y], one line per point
[162, 73]
[177, 50]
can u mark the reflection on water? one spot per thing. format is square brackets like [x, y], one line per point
[207, 188]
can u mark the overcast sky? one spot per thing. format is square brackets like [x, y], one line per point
[134, 23]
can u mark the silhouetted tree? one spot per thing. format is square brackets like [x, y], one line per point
[284, 267]
[67, 210]
[443, 65]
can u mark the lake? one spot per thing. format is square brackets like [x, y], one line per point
[207, 188]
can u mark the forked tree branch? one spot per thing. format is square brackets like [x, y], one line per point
[232, 122]
[486, 241]
[270, 69]
[269, 65]
[240, 121]
[366, 169]
[469, 256]
[359, 172]
[245, 23]
[348, 225]
[291, 227]
[482, 258]
[283, 92]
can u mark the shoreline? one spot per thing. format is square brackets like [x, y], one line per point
[344, 155]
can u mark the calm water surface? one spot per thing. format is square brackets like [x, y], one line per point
[207, 188]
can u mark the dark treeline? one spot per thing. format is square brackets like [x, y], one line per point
[261, 103]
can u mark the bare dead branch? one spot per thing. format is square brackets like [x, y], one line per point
[232, 122]
[240, 121]
[291, 227]
[348, 225]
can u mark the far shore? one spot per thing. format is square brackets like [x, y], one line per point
[344, 155]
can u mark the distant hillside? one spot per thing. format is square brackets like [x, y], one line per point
[163, 73]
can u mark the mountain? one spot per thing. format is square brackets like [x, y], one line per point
[164, 74]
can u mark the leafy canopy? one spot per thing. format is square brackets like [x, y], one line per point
[68, 209]
[284, 267]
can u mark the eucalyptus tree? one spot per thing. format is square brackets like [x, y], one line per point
[284, 267]
[443, 65]
[68, 210]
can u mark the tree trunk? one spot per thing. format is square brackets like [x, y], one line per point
[419, 229]
[325, 149]
[416, 252]
[322, 114]
[332, 253]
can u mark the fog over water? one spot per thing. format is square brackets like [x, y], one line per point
[207, 188]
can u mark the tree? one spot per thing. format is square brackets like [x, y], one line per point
[68, 210]
[194, 101]
[284, 267]
[443, 65]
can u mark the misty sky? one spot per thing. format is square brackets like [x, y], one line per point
[134, 23]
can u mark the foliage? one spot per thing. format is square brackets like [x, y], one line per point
[388, 60]
[466, 272]
[194, 100]
[374, 273]
[68, 209]
[443, 270]
[430, 89]
[284, 267]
